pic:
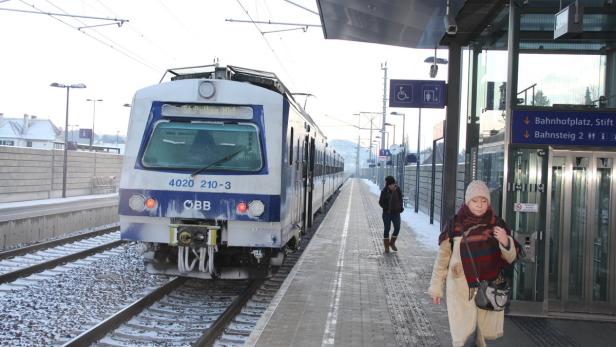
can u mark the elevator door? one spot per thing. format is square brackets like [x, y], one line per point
[581, 228]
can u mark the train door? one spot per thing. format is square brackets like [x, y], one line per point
[582, 232]
[310, 180]
[298, 191]
[323, 178]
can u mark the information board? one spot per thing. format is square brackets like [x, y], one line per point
[564, 127]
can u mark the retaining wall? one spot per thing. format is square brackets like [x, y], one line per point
[32, 174]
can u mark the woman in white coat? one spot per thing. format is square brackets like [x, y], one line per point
[487, 236]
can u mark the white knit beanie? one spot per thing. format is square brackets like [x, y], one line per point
[477, 188]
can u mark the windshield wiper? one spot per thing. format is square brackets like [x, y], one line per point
[174, 142]
[218, 161]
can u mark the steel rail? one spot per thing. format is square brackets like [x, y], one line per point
[99, 331]
[53, 243]
[212, 333]
[23, 272]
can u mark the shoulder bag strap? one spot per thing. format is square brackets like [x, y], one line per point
[471, 254]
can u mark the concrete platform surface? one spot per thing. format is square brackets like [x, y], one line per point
[344, 291]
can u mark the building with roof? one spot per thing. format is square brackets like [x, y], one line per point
[29, 131]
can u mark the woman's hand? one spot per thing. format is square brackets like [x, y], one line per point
[436, 300]
[501, 235]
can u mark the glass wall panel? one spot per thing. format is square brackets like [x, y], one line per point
[579, 211]
[490, 108]
[549, 79]
[556, 228]
[601, 243]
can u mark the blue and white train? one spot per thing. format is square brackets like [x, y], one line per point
[223, 171]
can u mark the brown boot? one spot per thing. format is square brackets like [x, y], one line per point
[392, 243]
[386, 244]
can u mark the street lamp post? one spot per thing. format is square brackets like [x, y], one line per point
[418, 163]
[403, 147]
[371, 128]
[393, 141]
[358, 143]
[68, 88]
[74, 126]
[94, 101]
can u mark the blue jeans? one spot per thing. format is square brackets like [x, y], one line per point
[389, 218]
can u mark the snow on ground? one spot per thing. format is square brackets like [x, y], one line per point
[33, 203]
[419, 223]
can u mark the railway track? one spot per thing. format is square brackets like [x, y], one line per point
[181, 312]
[149, 312]
[23, 262]
[239, 328]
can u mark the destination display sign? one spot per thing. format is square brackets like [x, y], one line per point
[563, 127]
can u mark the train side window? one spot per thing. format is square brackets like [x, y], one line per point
[291, 148]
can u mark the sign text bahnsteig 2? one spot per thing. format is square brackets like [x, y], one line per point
[564, 127]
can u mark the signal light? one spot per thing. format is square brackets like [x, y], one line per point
[242, 207]
[150, 203]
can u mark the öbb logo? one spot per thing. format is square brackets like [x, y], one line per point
[197, 205]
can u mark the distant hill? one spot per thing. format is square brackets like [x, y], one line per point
[348, 150]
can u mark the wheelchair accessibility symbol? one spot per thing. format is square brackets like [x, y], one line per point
[404, 93]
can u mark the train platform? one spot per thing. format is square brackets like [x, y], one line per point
[344, 291]
[27, 222]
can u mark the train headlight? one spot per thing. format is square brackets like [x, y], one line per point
[207, 89]
[256, 208]
[137, 202]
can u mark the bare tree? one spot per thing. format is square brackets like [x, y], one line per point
[541, 99]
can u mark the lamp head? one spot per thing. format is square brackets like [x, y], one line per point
[433, 70]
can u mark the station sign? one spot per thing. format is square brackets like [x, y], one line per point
[564, 127]
[384, 153]
[417, 93]
[85, 133]
[525, 207]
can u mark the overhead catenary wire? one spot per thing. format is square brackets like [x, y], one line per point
[267, 42]
[131, 26]
[101, 41]
[116, 46]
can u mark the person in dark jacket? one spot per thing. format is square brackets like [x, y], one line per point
[391, 202]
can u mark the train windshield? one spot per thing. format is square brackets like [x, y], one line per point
[201, 146]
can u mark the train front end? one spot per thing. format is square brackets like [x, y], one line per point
[201, 179]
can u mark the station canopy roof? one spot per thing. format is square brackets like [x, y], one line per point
[484, 23]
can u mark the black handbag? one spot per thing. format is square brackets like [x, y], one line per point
[491, 295]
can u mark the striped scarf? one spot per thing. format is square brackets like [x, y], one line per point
[483, 245]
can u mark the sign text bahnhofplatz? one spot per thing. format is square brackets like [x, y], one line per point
[562, 127]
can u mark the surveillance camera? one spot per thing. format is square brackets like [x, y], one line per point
[450, 25]
[452, 29]
[433, 70]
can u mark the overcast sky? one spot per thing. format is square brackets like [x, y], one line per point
[113, 62]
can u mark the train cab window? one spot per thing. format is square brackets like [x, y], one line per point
[213, 146]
